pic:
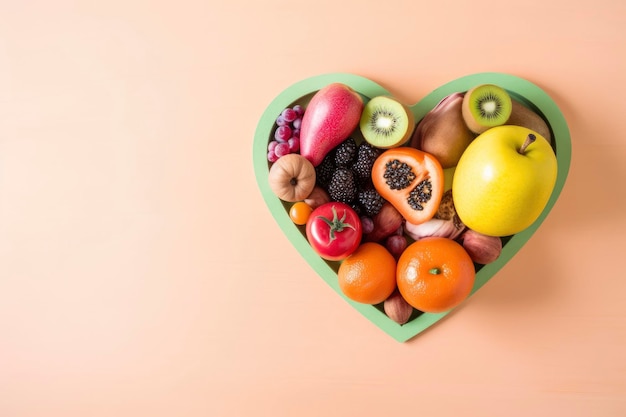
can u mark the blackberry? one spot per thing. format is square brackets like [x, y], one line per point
[420, 194]
[366, 155]
[371, 201]
[398, 175]
[342, 186]
[324, 171]
[345, 153]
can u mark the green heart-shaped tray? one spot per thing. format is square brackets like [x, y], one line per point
[301, 92]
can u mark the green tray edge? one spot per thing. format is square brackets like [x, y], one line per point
[519, 87]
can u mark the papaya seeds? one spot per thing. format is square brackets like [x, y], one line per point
[411, 180]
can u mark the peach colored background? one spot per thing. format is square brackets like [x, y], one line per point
[141, 273]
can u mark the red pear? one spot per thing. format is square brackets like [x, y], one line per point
[330, 117]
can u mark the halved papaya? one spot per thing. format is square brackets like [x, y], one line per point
[411, 180]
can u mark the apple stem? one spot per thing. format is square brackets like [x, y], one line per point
[529, 139]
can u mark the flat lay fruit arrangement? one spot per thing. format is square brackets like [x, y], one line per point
[405, 211]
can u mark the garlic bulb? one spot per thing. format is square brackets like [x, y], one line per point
[434, 227]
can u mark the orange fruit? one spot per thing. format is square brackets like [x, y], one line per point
[368, 275]
[300, 212]
[435, 274]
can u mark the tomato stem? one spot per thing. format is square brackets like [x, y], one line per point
[336, 224]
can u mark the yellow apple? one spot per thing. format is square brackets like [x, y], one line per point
[504, 180]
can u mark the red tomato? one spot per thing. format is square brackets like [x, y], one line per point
[334, 231]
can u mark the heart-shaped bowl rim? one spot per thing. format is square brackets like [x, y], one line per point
[300, 92]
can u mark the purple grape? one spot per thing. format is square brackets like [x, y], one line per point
[296, 133]
[283, 133]
[271, 156]
[298, 109]
[396, 244]
[280, 121]
[272, 145]
[289, 115]
[297, 123]
[281, 149]
[294, 144]
[367, 225]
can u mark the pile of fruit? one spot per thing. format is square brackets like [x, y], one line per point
[409, 210]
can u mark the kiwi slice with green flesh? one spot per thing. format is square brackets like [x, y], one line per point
[386, 123]
[486, 106]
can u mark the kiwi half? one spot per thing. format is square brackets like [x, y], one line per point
[386, 123]
[486, 106]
